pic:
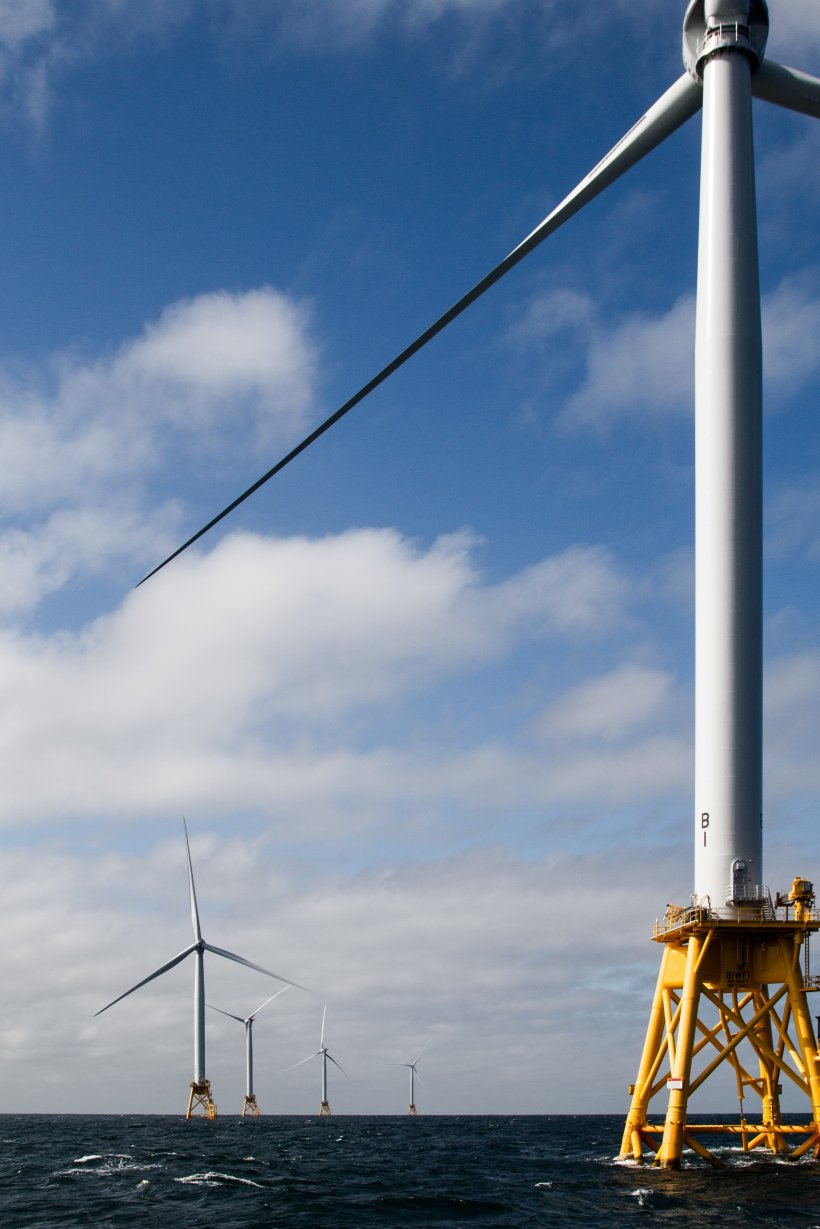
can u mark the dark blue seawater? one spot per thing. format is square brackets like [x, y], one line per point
[373, 1173]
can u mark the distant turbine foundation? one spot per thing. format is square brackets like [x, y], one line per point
[324, 1109]
[411, 1110]
[200, 1103]
[730, 992]
[249, 1106]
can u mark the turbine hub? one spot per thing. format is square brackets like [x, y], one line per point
[711, 26]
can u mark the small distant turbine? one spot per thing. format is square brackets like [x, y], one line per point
[411, 1109]
[324, 1107]
[200, 1094]
[249, 1105]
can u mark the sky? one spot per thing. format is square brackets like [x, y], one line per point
[426, 701]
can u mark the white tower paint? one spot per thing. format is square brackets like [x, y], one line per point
[728, 721]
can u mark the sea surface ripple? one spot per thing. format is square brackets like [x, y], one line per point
[57, 1172]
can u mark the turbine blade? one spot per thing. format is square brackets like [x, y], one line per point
[322, 1041]
[191, 888]
[672, 109]
[229, 1014]
[150, 977]
[335, 1064]
[220, 951]
[787, 87]
[254, 1014]
[302, 1061]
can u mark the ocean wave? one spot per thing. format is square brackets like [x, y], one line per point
[214, 1178]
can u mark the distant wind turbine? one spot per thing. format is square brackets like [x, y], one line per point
[249, 1105]
[200, 1094]
[324, 1108]
[411, 1109]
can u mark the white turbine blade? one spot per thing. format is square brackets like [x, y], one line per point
[150, 977]
[220, 951]
[322, 1041]
[254, 1014]
[335, 1064]
[191, 888]
[787, 87]
[302, 1061]
[225, 1013]
[678, 104]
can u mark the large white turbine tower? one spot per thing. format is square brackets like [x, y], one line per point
[731, 981]
[325, 1055]
[411, 1108]
[250, 1104]
[200, 1102]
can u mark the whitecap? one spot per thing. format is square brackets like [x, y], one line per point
[214, 1178]
[642, 1195]
[544, 1185]
[104, 1166]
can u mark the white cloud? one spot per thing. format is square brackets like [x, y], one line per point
[642, 365]
[791, 320]
[402, 955]
[609, 707]
[204, 350]
[215, 371]
[178, 689]
[794, 33]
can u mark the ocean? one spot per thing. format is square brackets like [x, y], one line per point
[373, 1173]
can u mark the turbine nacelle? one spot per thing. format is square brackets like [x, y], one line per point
[714, 25]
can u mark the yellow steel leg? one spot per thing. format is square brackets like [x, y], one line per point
[809, 1050]
[200, 1104]
[671, 1149]
[632, 1144]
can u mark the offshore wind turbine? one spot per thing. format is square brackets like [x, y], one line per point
[723, 952]
[249, 1105]
[411, 1109]
[200, 1102]
[324, 1054]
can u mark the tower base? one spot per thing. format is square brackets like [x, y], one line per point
[200, 1104]
[411, 1110]
[731, 992]
[249, 1106]
[324, 1109]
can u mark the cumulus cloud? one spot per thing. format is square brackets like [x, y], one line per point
[80, 448]
[208, 682]
[609, 707]
[642, 365]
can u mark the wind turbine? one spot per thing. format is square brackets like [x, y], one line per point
[249, 1105]
[733, 942]
[411, 1109]
[199, 1098]
[324, 1054]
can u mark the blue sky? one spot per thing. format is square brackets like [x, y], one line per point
[426, 700]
